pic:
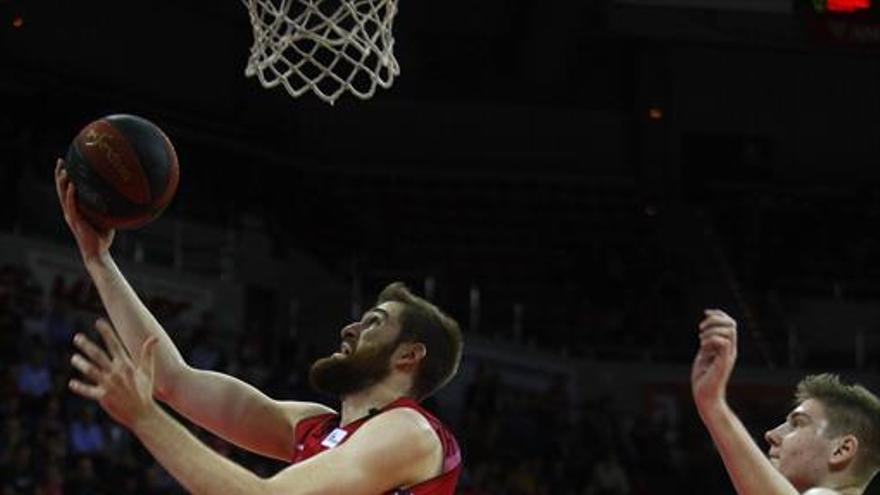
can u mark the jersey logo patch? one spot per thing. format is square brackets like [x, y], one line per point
[333, 439]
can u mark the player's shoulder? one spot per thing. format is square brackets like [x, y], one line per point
[408, 419]
[400, 425]
[399, 437]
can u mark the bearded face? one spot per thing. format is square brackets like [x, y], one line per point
[362, 360]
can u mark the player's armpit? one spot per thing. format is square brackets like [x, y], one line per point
[239, 413]
[397, 448]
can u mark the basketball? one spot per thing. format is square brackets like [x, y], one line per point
[125, 171]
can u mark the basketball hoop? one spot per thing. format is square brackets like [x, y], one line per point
[324, 46]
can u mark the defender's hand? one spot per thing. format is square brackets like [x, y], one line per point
[124, 389]
[715, 359]
[93, 243]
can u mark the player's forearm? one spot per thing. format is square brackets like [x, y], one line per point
[750, 471]
[133, 321]
[198, 468]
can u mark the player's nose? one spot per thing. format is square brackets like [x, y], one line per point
[351, 331]
[772, 436]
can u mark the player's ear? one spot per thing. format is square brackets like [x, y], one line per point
[410, 354]
[845, 449]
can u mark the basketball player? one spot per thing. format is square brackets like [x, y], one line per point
[403, 350]
[828, 445]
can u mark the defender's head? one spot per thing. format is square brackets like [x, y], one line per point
[833, 432]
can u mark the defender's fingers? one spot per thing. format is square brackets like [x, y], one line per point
[712, 321]
[91, 349]
[714, 311]
[84, 389]
[709, 312]
[723, 332]
[86, 367]
[715, 345]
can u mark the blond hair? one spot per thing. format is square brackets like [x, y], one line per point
[851, 409]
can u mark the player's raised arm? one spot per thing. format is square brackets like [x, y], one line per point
[399, 448]
[121, 302]
[220, 403]
[827, 444]
[748, 467]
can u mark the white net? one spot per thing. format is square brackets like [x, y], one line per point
[324, 46]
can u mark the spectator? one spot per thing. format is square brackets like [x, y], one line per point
[13, 435]
[33, 378]
[205, 353]
[20, 471]
[86, 434]
[52, 482]
[59, 324]
[83, 480]
[608, 477]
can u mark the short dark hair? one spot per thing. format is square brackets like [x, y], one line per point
[422, 321]
[851, 409]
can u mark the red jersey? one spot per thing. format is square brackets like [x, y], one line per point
[318, 433]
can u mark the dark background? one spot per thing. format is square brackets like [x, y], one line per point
[599, 172]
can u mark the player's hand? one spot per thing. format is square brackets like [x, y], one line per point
[93, 243]
[715, 358]
[123, 388]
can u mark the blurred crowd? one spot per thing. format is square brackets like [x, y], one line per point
[519, 442]
[822, 241]
[539, 252]
[515, 441]
[606, 291]
[790, 247]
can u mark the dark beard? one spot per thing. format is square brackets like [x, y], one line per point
[351, 374]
